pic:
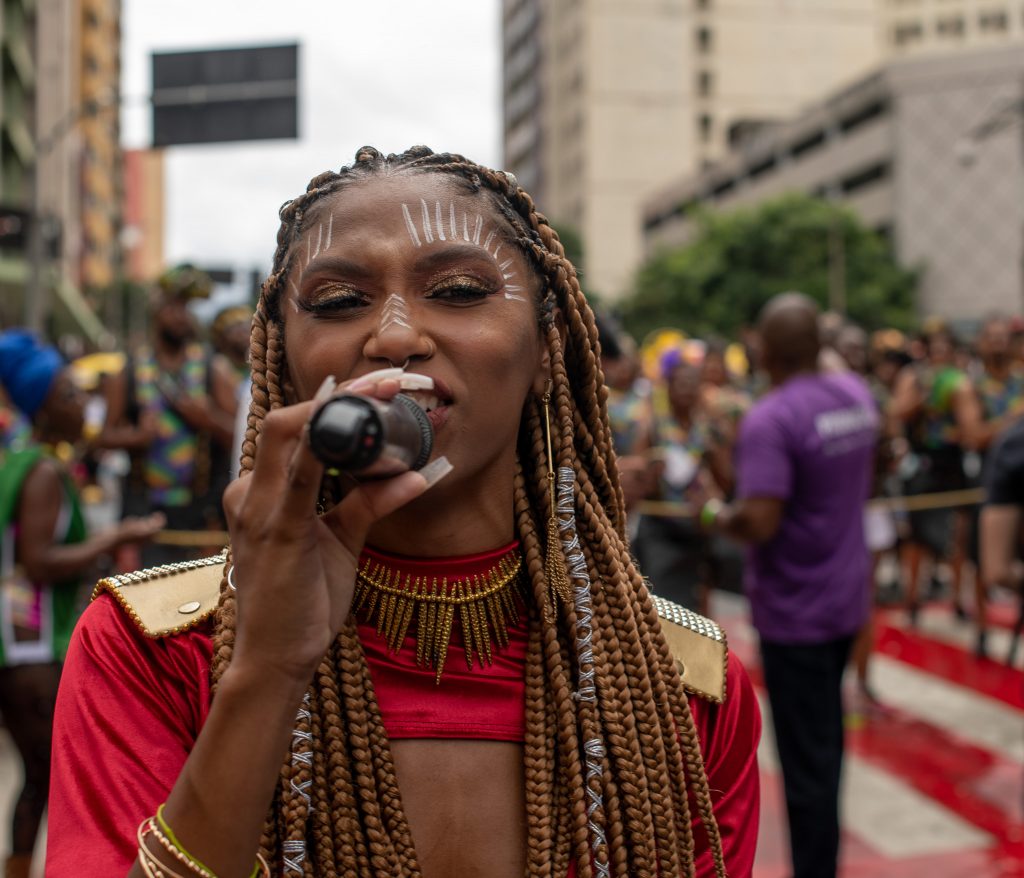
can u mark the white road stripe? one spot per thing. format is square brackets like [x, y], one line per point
[938, 623]
[885, 813]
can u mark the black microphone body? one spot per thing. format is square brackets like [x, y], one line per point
[369, 438]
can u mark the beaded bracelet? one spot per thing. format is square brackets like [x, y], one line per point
[153, 868]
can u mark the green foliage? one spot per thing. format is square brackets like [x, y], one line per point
[740, 259]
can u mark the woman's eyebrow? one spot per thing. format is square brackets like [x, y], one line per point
[336, 265]
[441, 256]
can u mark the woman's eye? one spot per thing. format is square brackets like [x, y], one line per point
[460, 292]
[333, 300]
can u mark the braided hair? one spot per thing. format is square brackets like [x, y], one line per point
[612, 774]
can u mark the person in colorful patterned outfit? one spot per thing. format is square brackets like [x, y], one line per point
[456, 671]
[44, 555]
[168, 408]
[671, 550]
[935, 406]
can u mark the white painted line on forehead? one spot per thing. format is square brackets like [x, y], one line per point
[427, 232]
[410, 226]
[440, 224]
[465, 226]
[487, 241]
[478, 228]
[451, 219]
[506, 263]
[330, 230]
[394, 313]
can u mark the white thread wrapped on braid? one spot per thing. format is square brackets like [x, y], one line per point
[294, 850]
[593, 749]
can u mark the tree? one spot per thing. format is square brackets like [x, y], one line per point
[740, 259]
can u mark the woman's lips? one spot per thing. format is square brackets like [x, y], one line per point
[439, 416]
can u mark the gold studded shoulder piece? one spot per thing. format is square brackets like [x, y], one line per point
[170, 599]
[699, 648]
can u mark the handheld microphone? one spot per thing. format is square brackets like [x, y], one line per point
[371, 438]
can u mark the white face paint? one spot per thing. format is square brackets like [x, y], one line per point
[394, 313]
[312, 251]
[433, 220]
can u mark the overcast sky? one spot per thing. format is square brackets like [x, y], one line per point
[390, 74]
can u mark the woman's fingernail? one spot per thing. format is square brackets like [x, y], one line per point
[436, 470]
[415, 381]
[374, 377]
[326, 389]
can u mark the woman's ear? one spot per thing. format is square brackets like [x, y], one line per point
[543, 374]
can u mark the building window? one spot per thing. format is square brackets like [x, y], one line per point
[950, 27]
[704, 39]
[993, 21]
[904, 34]
[704, 83]
[704, 126]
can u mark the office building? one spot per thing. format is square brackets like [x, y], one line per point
[605, 102]
[926, 150]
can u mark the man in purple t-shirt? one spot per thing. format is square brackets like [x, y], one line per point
[804, 463]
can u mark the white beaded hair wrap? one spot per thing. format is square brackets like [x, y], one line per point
[593, 749]
[294, 850]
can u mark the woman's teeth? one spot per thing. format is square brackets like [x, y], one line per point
[426, 401]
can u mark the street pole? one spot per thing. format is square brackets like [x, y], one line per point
[36, 292]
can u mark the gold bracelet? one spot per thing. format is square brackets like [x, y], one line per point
[153, 868]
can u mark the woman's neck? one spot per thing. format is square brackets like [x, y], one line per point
[450, 520]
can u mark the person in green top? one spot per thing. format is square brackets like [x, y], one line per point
[44, 555]
[934, 406]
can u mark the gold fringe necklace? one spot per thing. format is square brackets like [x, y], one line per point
[487, 602]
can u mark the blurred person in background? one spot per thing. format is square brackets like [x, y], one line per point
[630, 414]
[934, 406]
[229, 335]
[671, 550]
[45, 557]
[1000, 520]
[1000, 391]
[804, 462]
[879, 522]
[15, 429]
[170, 407]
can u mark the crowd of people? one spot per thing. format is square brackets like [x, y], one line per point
[98, 458]
[944, 400]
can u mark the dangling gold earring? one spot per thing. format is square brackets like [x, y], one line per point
[554, 562]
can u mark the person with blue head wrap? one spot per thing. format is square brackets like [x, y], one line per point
[45, 556]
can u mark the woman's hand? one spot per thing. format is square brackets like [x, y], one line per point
[294, 571]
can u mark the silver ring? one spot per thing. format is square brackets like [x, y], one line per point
[231, 578]
[403, 366]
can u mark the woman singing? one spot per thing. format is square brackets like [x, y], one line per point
[451, 672]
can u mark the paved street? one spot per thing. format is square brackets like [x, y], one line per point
[934, 783]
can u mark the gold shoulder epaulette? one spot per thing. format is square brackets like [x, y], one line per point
[169, 599]
[698, 646]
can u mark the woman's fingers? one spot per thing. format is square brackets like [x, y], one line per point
[353, 517]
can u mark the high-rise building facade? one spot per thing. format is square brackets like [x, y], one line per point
[605, 102]
[914, 27]
[60, 155]
[99, 93]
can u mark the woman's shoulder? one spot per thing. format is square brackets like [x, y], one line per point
[167, 600]
[699, 647]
